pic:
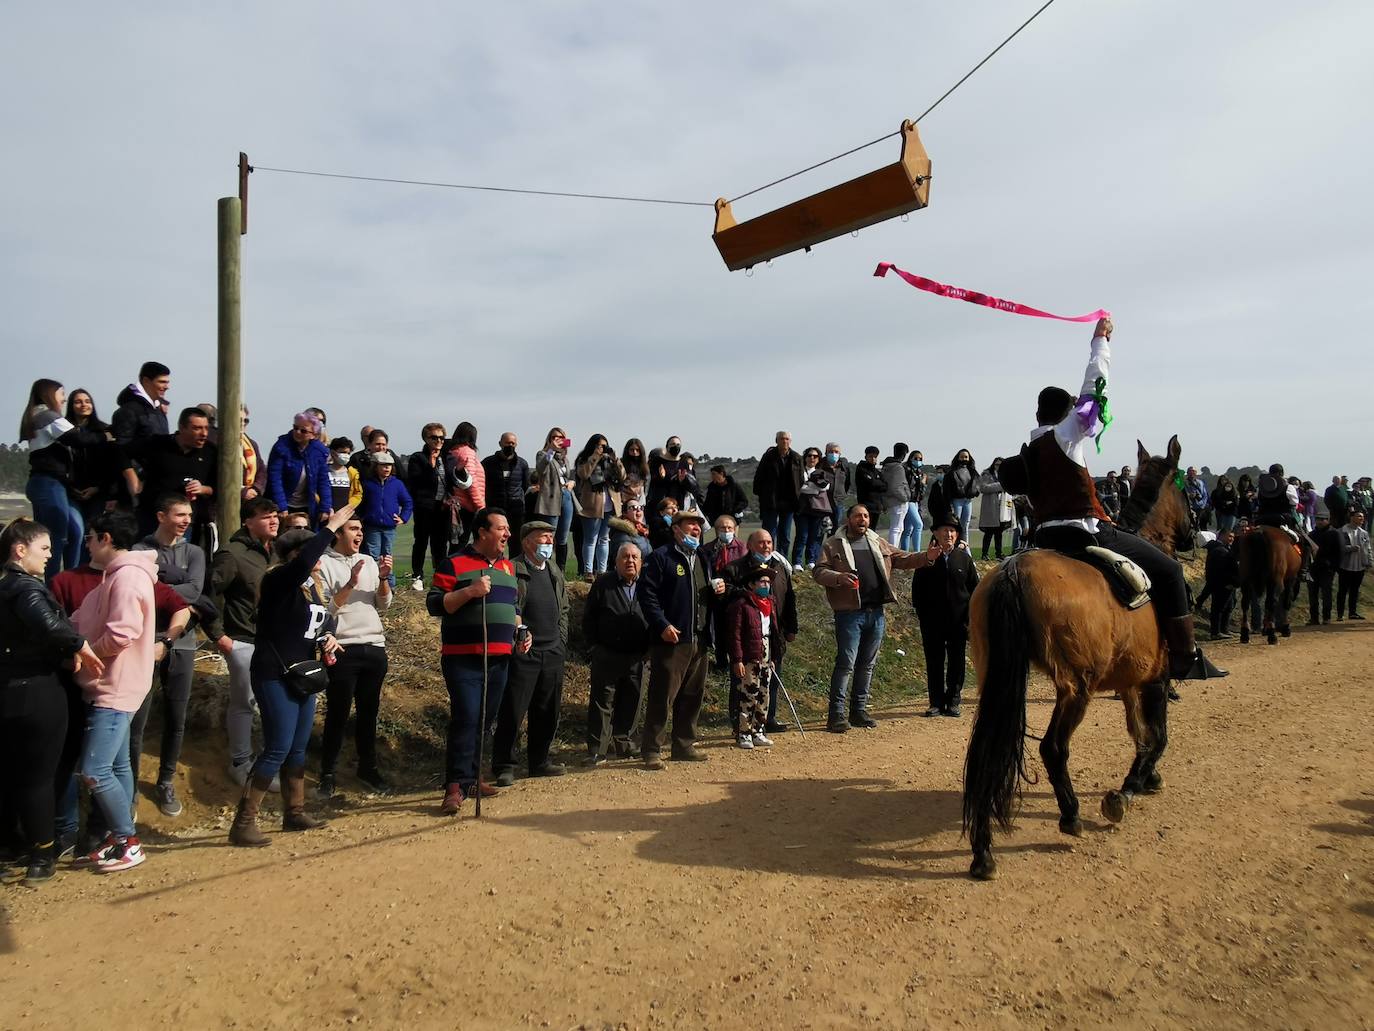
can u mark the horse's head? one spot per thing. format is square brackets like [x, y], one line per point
[1158, 511]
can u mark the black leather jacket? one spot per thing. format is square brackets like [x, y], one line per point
[35, 635]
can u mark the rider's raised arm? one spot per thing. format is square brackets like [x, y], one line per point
[1085, 418]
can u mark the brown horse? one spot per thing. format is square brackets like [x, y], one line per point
[1046, 609]
[1269, 566]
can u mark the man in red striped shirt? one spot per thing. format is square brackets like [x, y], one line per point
[475, 594]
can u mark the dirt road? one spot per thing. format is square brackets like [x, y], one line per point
[821, 885]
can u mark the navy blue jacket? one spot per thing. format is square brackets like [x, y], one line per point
[667, 589]
[382, 499]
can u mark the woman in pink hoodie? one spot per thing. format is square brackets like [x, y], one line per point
[118, 620]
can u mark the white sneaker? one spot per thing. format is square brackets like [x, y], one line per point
[744, 741]
[761, 741]
[123, 855]
[417, 583]
[810, 566]
[796, 567]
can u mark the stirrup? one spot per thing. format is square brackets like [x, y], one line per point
[1202, 668]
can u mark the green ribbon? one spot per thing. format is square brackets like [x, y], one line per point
[1180, 481]
[1104, 412]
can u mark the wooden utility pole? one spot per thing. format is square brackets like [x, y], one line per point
[230, 394]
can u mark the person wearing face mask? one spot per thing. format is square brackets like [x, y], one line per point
[960, 488]
[940, 592]
[552, 490]
[834, 459]
[784, 602]
[634, 460]
[345, 486]
[753, 636]
[896, 492]
[630, 528]
[661, 526]
[534, 685]
[912, 525]
[508, 480]
[868, 480]
[614, 625]
[676, 590]
[723, 496]
[718, 553]
[670, 475]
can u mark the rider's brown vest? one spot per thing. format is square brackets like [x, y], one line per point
[1060, 488]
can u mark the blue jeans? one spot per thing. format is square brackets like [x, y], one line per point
[912, 527]
[779, 526]
[56, 511]
[596, 543]
[463, 678]
[378, 541]
[105, 767]
[963, 511]
[1225, 522]
[858, 636]
[286, 723]
[808, 546]
[565, 518]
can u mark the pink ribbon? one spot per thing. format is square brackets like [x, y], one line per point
[973, 297]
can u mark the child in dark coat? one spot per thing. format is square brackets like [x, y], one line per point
[751, 641]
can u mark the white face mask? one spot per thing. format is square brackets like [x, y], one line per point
[342, 457]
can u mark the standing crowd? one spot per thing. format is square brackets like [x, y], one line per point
[105, 588]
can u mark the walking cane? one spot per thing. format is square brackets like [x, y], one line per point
[482, 710]
[788, 697]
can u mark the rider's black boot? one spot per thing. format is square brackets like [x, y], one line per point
[1186, 661]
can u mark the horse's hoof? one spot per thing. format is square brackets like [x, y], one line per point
[1287, 631]
[1072, 827]
[1114, 806]
[1154, 784]
[984, 867]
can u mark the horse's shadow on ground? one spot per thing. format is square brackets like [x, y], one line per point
[1365, 828]
[858, 827]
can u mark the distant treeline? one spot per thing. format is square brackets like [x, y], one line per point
[14, 466]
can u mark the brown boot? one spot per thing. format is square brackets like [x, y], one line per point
[293, 817]
[245, 829]
[1186, 661]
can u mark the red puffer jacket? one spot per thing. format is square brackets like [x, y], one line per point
[745, 619]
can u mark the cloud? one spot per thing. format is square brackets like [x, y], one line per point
[1189, 166]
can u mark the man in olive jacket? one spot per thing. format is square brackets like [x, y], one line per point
[855, 568]
[535, 684]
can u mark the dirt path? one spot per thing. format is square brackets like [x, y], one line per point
[820, 886]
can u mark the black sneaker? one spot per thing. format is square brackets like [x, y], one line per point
[65, 848]
[549, 770]
[167, 801]
[934, 710]
[373, 778]
[40, 869]
[505, 778]
[775, 728]
[862, 720]
[954, 711]
[325, 789]
[837, 726]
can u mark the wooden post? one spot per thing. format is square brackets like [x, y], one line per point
[230, 394]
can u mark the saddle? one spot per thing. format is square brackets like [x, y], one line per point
[1128, 582]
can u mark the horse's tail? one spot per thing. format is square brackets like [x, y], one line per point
[996, 759]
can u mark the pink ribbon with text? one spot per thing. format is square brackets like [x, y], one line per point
[973, 297]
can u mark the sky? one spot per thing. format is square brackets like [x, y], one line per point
[1198, 169]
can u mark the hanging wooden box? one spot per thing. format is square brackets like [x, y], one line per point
[886, 193]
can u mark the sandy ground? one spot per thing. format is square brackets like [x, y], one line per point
[821, 885]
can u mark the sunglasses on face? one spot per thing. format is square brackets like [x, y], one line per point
[435, 437]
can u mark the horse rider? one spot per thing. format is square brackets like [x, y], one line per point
[1277, 505]
[1070, 517]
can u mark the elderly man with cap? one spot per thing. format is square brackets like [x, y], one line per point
[940, 592]
[534, 686]
[676, 589]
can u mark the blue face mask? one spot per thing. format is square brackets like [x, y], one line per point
[691, 543]
[761, 559]
[544, 551]
[728, 537]
[915, 463]
[763, 590]
[667, 519]
[832, 457]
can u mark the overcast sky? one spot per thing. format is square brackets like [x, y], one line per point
[1201, 169]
